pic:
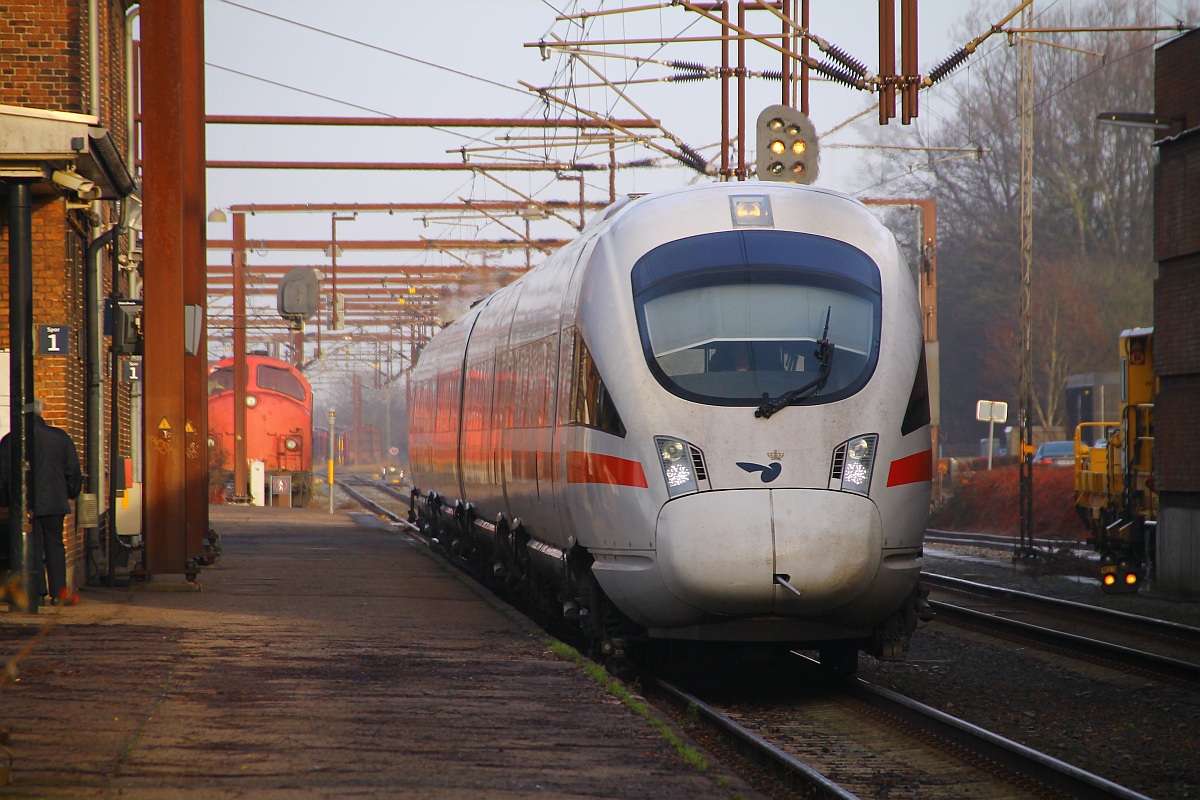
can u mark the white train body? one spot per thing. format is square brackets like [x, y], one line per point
[598, 418]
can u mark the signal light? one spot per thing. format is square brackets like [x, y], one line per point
[1110, 579]
[787, 146]
[1131, 578]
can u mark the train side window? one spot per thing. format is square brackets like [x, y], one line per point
[220, 380]
[478, 396]
[916, 415]
[279, 380]
[591, 404]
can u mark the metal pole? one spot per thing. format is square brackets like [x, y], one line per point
[332, 415]
[333, 314]
[991, 434]
[1025, 547]
[20, 377]
[241, 376]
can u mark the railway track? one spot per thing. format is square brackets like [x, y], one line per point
[1165, 650]
[1002, 542]
[853, 739]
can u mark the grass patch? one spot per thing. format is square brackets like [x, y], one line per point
[620, 691]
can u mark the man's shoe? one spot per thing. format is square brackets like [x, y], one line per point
[67, 598]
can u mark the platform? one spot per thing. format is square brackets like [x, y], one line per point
[326, 657]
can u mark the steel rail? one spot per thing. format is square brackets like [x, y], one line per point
[795, 773]
[1144, 625]
[996, 541]
[1013, 756]
[374, 507]
[1128, 657]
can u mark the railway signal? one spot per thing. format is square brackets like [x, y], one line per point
[787, 146]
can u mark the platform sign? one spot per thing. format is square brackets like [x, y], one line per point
[281, 490]
[991, 412]
[54, 340]
[131, 370]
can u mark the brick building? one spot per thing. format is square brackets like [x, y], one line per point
[1177, 325]
[67, 203]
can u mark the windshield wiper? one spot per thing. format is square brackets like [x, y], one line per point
[824, 356]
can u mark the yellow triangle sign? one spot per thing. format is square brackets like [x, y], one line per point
[187, 427]
[164, 425]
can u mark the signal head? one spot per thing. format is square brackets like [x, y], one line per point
[787, 146]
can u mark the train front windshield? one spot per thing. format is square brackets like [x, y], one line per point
[735, 317]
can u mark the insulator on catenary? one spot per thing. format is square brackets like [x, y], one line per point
[838, 75]
[692, 159]
[771, 75]
[691, 66]
[846, 60]
[949, 65]
[680, 77]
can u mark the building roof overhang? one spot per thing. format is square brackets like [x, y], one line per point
[34, 143]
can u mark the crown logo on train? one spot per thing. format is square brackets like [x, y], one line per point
[775, 455]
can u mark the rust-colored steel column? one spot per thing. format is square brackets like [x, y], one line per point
[298, 348]
[742, 169]
[164, 50]
[927, 297]
[909, 69]
[887, 60]
[725, 141]
[195, 292]
[804, 59]
[241, 491]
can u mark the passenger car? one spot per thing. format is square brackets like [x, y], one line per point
[1058, 453]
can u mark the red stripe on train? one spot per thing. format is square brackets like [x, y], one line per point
[911, 469]
[583, 467]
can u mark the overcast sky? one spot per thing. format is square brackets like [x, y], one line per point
[414, 59]
[466, 58]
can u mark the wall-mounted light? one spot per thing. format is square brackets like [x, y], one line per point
[1139, 119]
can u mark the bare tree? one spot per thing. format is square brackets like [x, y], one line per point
[1093, 266]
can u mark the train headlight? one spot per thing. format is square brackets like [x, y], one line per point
[251, 401]
[853, 464]
[292, 444]
[678, 470]
[212, 442]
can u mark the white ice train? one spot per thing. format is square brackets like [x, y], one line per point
[706, 418]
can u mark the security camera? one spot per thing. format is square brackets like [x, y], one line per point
[72, 180]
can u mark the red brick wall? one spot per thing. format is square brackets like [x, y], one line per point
[44, 63]
[1176, 321]
[1176, 90]
[42, 45]
[1177, 290]
[1177, 364]
[1176, 432]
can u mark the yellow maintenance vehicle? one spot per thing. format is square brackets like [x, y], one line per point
[1114, 473]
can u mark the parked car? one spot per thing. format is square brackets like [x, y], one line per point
[1057, 454]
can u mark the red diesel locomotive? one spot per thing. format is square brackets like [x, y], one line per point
[278, 420]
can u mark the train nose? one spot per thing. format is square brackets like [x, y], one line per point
[722, 551]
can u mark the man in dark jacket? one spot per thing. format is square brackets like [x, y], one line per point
[57, 480]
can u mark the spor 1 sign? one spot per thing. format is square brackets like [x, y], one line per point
[54, 340]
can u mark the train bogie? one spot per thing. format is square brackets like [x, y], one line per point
[712, 407]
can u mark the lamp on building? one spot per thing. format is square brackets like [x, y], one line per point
[1139, 119]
